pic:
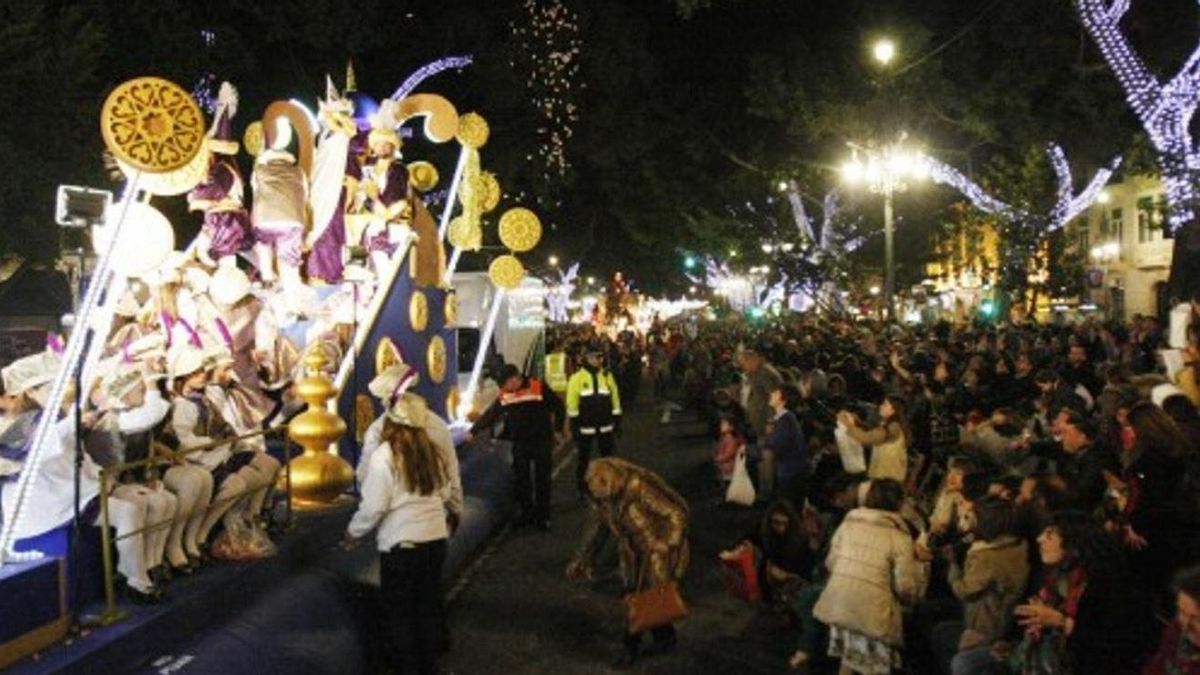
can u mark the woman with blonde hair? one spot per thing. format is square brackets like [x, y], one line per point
[649, 520]
[413, 496]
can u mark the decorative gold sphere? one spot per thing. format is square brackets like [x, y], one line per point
[418, 311]
[253, 140]
[423, 176]
[520, 229]
[473, 130]
[465, 234]
[506, 272]
[435, 359]
[317, 476]
[152, 124]
[487, 192]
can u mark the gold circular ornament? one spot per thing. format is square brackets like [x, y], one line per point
[451, 309]
[253, 139]
[452, 403]
[465, 234]
[520, 229]
[473, 130]
[387, 354]
[172, 183]
[506, 272]
[487, 191]
[152, 124]
[435, 359]
[423, 176]
[418, 311]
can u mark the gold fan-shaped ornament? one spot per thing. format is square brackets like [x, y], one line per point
[465, 234]
[520, 229]
[152, 124]
[423, 176]
[473, 130]
[418, 311]
[253, 139]
[487, 191]
[172, 183]
[435, 359]
[506, 272]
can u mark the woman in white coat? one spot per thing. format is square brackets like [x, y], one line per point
[412, 498]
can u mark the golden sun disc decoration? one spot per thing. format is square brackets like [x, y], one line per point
[506, 272]
[253, 139]
[172, 183]
[520, 229]
[423, 176]
[418, 311]
[451, 309]
[152, 124]
[452, 401]
[473, 130]
[435, 359]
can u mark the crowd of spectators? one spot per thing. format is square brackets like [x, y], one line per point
[966, 499]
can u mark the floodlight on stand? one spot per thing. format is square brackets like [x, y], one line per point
[81, 206]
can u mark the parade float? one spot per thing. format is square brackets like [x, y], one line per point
[321, 260]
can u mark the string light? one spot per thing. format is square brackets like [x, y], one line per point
[429, 70]
[1164, 109]
[1067, 206]
[550, 44]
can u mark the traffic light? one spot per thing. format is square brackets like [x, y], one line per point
[689, 262]
[987, 308]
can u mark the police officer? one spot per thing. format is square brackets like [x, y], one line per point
[532, 412]
[594, 408]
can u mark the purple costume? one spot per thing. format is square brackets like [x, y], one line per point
[395, 190]
[226, 222]
[325, 257]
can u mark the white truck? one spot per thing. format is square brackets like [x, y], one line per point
[517, 336]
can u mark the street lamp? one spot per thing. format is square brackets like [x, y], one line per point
[885, 171]
[884, 50]
[553, 260]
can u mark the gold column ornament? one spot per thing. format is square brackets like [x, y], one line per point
[418, 311]
[435, 359]
[152, 124]
[318, 477]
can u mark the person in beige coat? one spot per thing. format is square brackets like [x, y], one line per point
[889, 441]
[873, 573]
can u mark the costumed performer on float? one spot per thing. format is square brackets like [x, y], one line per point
[386, 188]
[226, 229]
[335, 180]
[280, 198]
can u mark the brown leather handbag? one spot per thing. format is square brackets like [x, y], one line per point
[654, 607]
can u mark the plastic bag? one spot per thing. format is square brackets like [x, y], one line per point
[741, 490]
[741, 573]
[850, 451]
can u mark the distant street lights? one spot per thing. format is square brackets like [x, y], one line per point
[885, 171]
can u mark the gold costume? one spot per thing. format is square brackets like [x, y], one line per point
[648, 519]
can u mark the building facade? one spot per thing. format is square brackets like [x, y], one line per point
[1128, 248]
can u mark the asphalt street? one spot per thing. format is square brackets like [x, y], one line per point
[513, 611]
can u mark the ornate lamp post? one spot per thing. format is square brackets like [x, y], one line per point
[885, 171]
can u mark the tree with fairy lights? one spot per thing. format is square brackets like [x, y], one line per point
[1165, 109]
